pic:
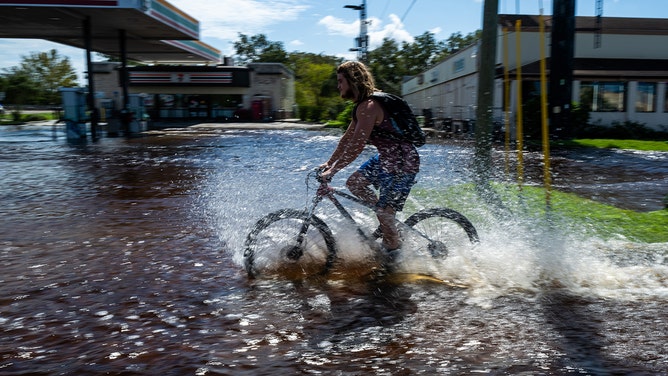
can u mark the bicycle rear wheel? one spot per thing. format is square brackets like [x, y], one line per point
[290, 243]
[444, 229]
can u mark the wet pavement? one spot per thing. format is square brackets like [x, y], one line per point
[628, 179]
[124, 257]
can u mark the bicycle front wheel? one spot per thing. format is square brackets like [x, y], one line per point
[444, 229]
[289, 243]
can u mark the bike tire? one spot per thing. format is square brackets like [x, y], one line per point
[270, 247]
[445, 229]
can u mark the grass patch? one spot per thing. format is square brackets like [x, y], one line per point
[9, 118]
[605, 143]
[335, 124]
[569, 212]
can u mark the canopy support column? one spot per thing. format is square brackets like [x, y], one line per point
[88, 41]
[125, 116]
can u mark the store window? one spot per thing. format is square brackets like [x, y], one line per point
[645, 97]
[603, 96]
[225, 105]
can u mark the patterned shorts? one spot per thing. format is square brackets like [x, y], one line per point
[393, 188]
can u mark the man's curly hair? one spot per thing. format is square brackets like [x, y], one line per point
[360, 79]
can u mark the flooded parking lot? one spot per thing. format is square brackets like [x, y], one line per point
[124, 257]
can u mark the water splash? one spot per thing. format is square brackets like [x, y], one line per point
[518, 252]
[523, 256]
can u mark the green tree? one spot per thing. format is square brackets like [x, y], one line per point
[259, 49]
[315, 85]
[390, 63]
[387, 68]
[274, 53]
[48, 71]
[315, 74]
[457, 41]
[19, 88]
[421, 54]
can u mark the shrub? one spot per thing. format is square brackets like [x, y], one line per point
[346, 115]
[533, 119]
[628, 130]
[35, 117]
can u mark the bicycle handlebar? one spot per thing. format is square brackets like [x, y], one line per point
[323, 189]
[318, 175]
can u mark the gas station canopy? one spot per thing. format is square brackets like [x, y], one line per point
[153, 30]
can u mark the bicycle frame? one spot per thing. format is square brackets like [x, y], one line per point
[295, 247]
[326, 191]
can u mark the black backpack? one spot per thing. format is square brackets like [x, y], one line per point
[406, 126]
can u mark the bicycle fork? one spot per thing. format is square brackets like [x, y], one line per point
[297, 250]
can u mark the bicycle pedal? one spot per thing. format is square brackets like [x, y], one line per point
[388, 265]
[375, 246]
[388, 257]
[294, 253]
[393, 255]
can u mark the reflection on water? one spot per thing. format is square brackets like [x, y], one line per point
[122, 257]
[628, 179]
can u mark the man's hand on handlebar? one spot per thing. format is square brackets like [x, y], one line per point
[324, 174]
[323, 178]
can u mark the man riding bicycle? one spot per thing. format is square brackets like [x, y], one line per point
[392, 171]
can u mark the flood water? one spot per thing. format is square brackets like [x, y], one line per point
[123, 257]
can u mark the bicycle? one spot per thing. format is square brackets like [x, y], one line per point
[298, 241]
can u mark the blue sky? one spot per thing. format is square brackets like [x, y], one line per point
[325, 26]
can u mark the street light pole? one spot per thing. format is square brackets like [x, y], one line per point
[486, 71]
[362, 41]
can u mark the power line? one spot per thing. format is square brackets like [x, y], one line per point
[408, 10]
[382, 14]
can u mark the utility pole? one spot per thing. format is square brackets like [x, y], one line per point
[486, 73]
[562, 53]
[362, 42]
[599, 24]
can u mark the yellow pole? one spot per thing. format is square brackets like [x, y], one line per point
[506, 100]
[543, 111]
[520, 124]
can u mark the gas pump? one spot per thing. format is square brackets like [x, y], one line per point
[137, 109]
[74, 111]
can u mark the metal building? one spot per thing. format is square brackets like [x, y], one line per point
[619, 71]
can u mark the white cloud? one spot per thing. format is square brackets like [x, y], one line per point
[224, 19]
[394, 30]
[337, 26]
[296, 43]
[437, 30]
[347, 55]
[375, 29]
[221, 21]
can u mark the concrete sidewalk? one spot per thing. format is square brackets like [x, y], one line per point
[259, 125]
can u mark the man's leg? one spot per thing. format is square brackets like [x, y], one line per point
[359, 186]
[394, 190]
[360, 182]
[386, 216]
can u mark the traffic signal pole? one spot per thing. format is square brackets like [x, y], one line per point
[562, 54]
